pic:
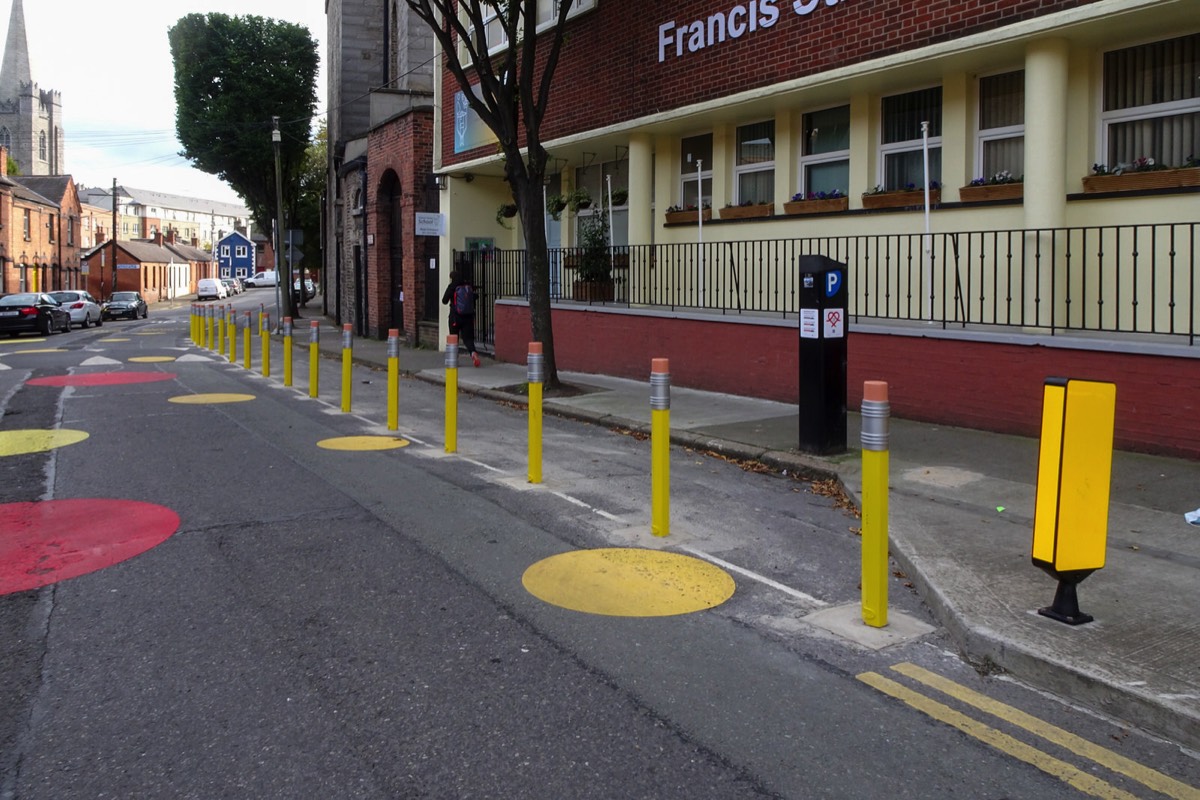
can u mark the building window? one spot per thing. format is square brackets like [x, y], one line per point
[224, 251]
[1001, 143]
[597, 178]
[42, 145]
[241, 251]
[28, 223]
[1152, 102]
[754, 170]
[901, 147]
[5, 138]
[825, 151]
[50, 227]
[70, 231]
[547, 13]
[695, 171]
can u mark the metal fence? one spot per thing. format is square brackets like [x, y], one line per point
[1132, 279]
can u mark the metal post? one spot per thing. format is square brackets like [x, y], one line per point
[536, 376]
[660, 447]
[220, 329]
[264, 335]
[452, 393]
[246, 342]
[393, 386]
[287, 351]
[231, 334]
[875, 414]
[314, 357]
[347, 361]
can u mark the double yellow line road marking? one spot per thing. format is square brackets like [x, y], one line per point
[1075, 777]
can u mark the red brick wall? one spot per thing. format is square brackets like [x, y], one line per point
[597, 68]
[988, 386]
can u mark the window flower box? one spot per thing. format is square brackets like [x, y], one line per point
[1136, 180]
[683, 217]
[901, 199]
[993, 191]
[821, 206]
[748, 212]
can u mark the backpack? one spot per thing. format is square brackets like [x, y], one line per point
[464, 300]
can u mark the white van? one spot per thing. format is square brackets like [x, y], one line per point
[211, 289]
[261, 279]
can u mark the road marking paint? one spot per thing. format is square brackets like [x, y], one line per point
[628, 582]
[20, 442]
[99, 361]
[23, 341]
[482, 465]
[362, 443]
[115, 340]
[1065, 739]
[215, 397]
[572, 500]
[151, 359]
[32, 352]
[763, 579]
[102, 379]
[1015, 748]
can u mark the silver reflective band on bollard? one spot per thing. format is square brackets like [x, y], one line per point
[393, 347]
[452, 356]
[265, 322]
[287, 327]
[875, 424]
[346, 337]
[536, 368]
[314, 334]
[660, 391]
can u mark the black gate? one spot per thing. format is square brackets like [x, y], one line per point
[482, 268]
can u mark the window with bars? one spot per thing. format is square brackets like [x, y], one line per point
[695, 171]
[754, 168]
[1001, 137]
[825, 151]
[1151, 106]
[902, 140]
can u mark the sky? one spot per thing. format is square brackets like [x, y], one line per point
[112, 64]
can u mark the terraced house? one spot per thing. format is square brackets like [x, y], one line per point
[1011, 184]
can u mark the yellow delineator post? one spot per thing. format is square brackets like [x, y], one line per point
[246, 342]
[393, 384]
[347, 362]
[264, 334]
[535, 365]
[1070, 516]
[287, 351]
[314, 357]
[209, 332]
[451, 393]
[231, 333]
[220, 343]
[875, 414]
[192, 326]
[660, 447]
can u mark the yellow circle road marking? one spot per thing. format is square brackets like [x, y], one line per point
[363, 443]
[151, 359]
[115, 340]
[44, 350]
[19, 442]
[625, 582]
[216, 397]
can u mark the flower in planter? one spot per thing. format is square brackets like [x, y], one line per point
[1139, 164]
[908, 187]
[555, 204]
[688, 207]
[505, 211]
[833, 194]
[745, 204]
[999, 179]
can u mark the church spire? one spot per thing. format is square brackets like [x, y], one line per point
[15, 70]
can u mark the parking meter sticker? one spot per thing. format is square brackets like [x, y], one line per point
[835, 323]
[833, 282]
[47, 542]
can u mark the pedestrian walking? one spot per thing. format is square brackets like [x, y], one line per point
[460, 296]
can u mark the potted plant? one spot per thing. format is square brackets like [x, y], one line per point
[620, 197]
[555, 204]
[1142, 173]
[687, 213]
[593, 277]
[910, 195]
[578, 198]
[1001, 186]
[747, 209]
[817, 202]
[506, 211]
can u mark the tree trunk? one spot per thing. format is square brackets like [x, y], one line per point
[538, 264]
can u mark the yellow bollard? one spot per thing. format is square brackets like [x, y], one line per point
[452, 394]
[660, 447]
[393, 386]
[536, 376]
[261, 311]
[246, 342]
[347, 362]
[287, 351]
[192, 326]
[314, 356]
[208, 333]
[264, 334]
[231, 333]
[875, 412]
[220, 348]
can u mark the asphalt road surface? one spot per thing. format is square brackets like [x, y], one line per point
[360, 623]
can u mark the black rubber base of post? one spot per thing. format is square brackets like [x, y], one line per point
[1066, 605]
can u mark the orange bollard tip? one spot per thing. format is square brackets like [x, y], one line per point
[288, 320]
[660, 365]
[452, 339]
[535, 348]
[393, 333]
[876, 391]
[314, 324]
[347, 327]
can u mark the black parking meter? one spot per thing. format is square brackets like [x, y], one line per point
[824, 303]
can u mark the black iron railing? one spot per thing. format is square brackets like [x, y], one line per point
[1134, 279]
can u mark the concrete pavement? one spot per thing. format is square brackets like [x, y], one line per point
[961, 520]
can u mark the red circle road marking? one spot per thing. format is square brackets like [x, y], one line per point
[102, 379]
[47, 542]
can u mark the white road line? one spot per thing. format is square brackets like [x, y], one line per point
[571, 500]
[763, 579]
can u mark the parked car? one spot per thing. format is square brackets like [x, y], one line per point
[211, 289]
[85, 311]
[33, 311]
[266, 278]
[126, 304]
[310, 289]
[232, 286]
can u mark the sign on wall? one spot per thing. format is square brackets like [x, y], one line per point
[469, 130]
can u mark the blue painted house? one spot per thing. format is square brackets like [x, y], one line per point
[235, 256]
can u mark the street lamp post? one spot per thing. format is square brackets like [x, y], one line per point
[279, 287]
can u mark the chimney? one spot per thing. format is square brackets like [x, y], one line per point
[158, 239]
[170, 236]
[3, 162]
[195, 243]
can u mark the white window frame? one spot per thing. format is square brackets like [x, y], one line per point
[982, 135]
[242, 251]
[546, 17]
[759, 166]
[803, 162]
[705, 177]
[907, 145]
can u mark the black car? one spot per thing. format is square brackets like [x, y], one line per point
[33, 311]
[126, 304]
